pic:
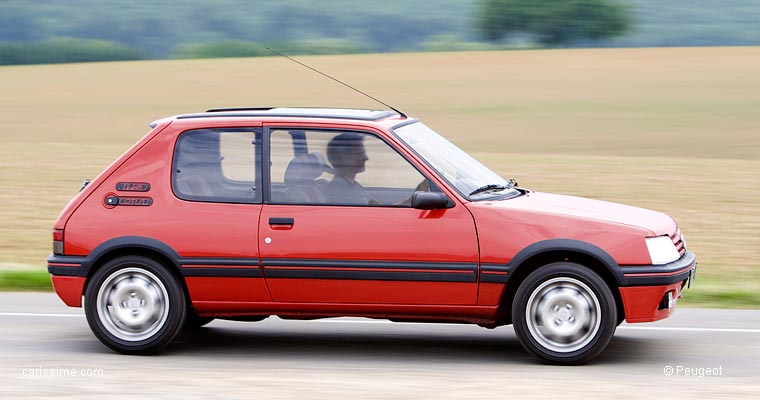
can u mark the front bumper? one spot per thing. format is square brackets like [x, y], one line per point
[645, 296]
[649, 275]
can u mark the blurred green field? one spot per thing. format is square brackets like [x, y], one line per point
[673, 129]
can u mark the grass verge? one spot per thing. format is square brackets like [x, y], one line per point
[25, 281]
[719, 298]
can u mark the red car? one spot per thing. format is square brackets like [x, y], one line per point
[306, 213]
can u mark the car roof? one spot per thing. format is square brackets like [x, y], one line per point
[330, 113]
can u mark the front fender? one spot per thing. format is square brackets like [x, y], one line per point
[492, 272]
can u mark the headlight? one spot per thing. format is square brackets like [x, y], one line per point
[662, 250]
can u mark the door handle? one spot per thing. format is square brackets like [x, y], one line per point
[281, 221]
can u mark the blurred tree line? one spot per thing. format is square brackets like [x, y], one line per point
[198, 28]
[81, 30]
[552, 22]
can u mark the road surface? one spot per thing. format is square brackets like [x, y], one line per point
[47, 349]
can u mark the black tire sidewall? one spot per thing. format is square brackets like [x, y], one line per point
[601, 291]
[176, 299]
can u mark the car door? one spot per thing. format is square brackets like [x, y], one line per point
[339, 228]
[211, 219]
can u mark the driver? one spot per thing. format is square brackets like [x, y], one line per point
[348, 157]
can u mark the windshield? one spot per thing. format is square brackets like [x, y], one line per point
[470, 178]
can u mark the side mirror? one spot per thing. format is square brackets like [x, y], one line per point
[430, 201]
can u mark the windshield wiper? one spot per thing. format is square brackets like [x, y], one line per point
[494, 186]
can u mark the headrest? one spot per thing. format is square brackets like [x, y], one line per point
[305, 167]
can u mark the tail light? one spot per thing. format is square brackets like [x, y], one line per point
[58, 241]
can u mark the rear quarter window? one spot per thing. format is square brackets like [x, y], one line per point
[218, 165]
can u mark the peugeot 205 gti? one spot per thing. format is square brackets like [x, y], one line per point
[305, 213]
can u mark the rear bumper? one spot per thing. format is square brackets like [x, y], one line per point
[68, 265]
[68, 276]
[70, 289]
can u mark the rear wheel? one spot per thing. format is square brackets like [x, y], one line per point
[134, 305]
[564, 313]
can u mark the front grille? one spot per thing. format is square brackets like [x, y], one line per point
[678, 241]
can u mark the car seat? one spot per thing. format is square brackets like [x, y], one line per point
[302, 185]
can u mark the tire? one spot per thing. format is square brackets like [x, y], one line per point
[134, 305]
[564, 313]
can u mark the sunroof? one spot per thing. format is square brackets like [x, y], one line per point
[338, 113]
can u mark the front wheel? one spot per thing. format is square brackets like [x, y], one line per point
[134, 305]
[564, 313]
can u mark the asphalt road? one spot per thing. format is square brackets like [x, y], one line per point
[43, 344]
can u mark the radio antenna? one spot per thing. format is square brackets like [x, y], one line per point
[336, 80]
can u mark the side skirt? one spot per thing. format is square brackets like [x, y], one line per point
[482, 315]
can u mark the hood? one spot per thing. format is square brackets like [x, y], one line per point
[546, 203]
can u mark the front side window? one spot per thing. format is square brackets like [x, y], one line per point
[337, 167]
[218, 165]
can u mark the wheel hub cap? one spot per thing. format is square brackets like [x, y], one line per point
[133, 304]
[563, 314]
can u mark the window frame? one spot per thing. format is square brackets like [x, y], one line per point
[267, 175]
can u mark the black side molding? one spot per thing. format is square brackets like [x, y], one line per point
[369, 270]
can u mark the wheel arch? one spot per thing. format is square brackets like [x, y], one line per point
[558, 250]
[136, 245]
